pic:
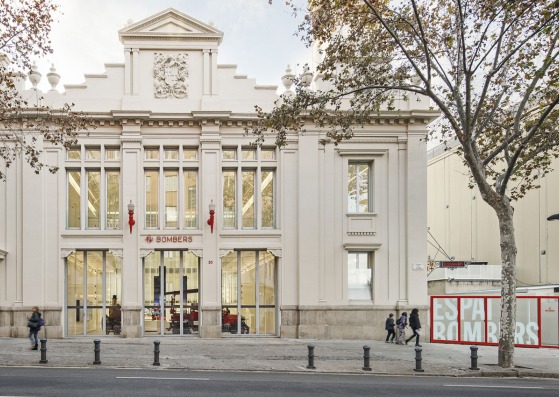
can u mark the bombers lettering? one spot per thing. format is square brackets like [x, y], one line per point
[169, 239]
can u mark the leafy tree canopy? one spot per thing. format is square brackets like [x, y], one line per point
[490, 67]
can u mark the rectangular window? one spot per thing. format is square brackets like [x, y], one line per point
[151, 153]
[113, 199]
[171, 198]
[171, 153]
[267, 198]
[74, 199]
[229, 199]
[190, 154]
[93, 199]
[152, 199]
[359, 276]
[92, 153]
[267, 154]
[112, 153]
[249, 154]
[248, 200]
[229, 154]
[190, 195]
[73, 154]
[358, 199]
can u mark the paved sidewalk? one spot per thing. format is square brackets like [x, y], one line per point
[275, 354]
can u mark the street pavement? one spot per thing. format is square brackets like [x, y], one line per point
[276, 354]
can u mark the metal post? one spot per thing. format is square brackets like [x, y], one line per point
[311, 357]
[156, 352]
[474, 358]
[43, 359]
[418, 360]
[366, 358]
[97, 351]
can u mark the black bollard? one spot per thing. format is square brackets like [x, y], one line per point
[97, 351]
[474, 358]
[43, 359]
[156, 352]
[418, 360]
[311, 357]
[366, 358]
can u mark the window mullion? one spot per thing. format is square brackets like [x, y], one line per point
[239, 199]
[258, 198]
[161, 198]
[83, 198]
[104, 293]
[257, 290]
[102, 198]
[239, 303]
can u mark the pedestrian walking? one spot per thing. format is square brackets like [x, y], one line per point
[402, 323]
[34, 323]
[389, 327]
[415, 325]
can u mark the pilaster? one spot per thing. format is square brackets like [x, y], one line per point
[132, 263]
[210, 270]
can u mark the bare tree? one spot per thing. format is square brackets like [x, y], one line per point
[490, 67]
[25, 26]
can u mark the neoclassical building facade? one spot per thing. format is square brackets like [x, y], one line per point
[165, 220]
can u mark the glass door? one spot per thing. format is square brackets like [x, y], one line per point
[248, 293]
[93, 292]
[171, 293]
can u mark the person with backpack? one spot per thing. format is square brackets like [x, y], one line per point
[415, 325]
[35, 322]
[401, 323]
[389, 327]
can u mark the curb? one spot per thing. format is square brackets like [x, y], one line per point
[473, 374]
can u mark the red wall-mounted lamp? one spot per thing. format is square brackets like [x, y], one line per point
[212, 213]
[131, 220]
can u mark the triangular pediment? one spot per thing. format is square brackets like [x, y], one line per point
[171, 27]
[168, 25]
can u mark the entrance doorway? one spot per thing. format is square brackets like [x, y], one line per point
[248, 293]
[171, 293]
[93, 293]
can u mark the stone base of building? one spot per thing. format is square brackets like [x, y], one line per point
[343, 322]
[297, 322]
[13, 322]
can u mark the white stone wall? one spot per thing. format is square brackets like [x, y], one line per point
[313, 232]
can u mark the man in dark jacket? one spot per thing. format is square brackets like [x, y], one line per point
[415, 325]
[389, 327]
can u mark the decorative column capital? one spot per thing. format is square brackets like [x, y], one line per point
[223, 253]
[144, 252]
[66, 253]
[197, 253]
[276, 252]
[117, 253]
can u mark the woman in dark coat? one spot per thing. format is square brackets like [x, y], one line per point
[415, 325]
[34, 327]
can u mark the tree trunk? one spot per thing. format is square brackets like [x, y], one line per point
[508, 284]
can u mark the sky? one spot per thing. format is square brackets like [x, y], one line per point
[258, 37]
